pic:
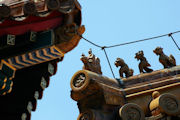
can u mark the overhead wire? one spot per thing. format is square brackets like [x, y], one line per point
[136, 41]
[170, 35]
[108, 62]
[90, 41]
[146, 39]
[142, 40]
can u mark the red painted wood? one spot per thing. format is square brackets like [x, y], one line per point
[31, 23]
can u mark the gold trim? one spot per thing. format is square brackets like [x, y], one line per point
[9, 65]
[5, 80]
[31, 57]
[60, 52]
[28, 61]
[11, 83]
[52, 51]
[151, 90]
[10, 62]
[4, 85]
[17, 61]
[46, 54]
[9, 90]
[4, 93]
[41, 57]
[173, 78]
[6, 63]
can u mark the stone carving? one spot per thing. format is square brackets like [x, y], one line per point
[65, 33]
[143, 65]
[91, 63]
[133, 114]
[166, 61]
[79, 81]
[53, 4]
[131, 111]
[87, 115]
[30, 8]
[166, 103]
[124, 68]
[170, 104]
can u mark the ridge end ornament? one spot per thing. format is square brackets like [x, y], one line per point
[166, 61]
[124, 68]
[144, 64]
[91, 63]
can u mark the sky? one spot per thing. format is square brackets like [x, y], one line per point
[110, 22]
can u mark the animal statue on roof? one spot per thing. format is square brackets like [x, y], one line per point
[143, 65]
[66, 32]
[124, 68]
[91, 63]
[166, 61]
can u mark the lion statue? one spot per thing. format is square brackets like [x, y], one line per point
[124, 68]
[166, 61]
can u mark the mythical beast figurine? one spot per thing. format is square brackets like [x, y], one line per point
[124, 68]
[143, 65]
[91, 63]
[166, 61]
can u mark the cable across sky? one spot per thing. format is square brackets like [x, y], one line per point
[136, 41]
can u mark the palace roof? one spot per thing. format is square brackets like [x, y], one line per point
[34, 36]
[100, 97]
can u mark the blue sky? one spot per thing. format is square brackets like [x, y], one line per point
[108, 23]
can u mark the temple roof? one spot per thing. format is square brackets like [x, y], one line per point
[110, 95]
[34, 36]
